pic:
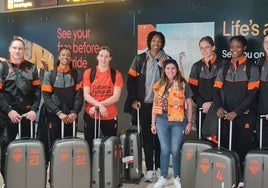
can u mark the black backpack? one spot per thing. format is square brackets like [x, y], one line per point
[5, 72]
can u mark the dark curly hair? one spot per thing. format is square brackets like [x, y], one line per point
[150, 37]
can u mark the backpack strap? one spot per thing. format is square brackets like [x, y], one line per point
[74, 75]
[93, 74]
[248, 68]
[5, 70]
[53, 75]
[113, 75]
[199, 67]
[225, 69]
[141, 61]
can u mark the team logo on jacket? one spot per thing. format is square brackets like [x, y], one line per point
[244, 68]
[247, 126]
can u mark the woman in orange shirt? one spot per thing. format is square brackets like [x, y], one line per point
[102, 93]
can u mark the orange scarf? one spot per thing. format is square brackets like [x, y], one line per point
[176, 101]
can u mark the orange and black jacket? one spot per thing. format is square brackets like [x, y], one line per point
[237, 92]
[64, 93]
[263, 93]
[10, 96]
[202, 79]
[136, 86]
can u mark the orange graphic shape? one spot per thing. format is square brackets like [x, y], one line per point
[143, 31]
[219, 176]
[189, 153]
[116, 151]
[34, 157]
[204, 166]
[17, 155]
[254, 167]
[80, 157]
[64, 155]
[246, 126]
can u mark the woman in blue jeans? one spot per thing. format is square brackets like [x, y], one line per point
[170, 121]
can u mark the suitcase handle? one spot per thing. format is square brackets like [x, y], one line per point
[230, 134]
[97, 111]
[261, 128]
[19, 128]
[62, 129]
[199, 122]
[138, 119]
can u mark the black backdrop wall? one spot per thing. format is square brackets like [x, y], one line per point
[86, 27]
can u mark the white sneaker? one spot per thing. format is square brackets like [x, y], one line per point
[149, 176]
[241, 185]
[177, 182]
[161, 182]
[158, 173]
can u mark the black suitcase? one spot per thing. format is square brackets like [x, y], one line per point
[256, 165]
[106, 159]
[132, 154]
[189, 156]
[25, 163]
[218, 167]
[70, 165]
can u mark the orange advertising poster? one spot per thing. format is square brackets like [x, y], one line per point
[143, 31]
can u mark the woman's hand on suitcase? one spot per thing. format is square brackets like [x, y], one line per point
[103, 111]
[136, 104]
[231, 116]
[31, 115]
[63, 117]
[221, 113]
[206, 106]
[100, 108]
[71, 118]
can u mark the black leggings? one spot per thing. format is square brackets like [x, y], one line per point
[243, 129]
[108, 128]
[151, 145]
[54, 127]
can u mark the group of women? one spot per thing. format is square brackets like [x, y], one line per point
[65, 89]
[234, 88]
